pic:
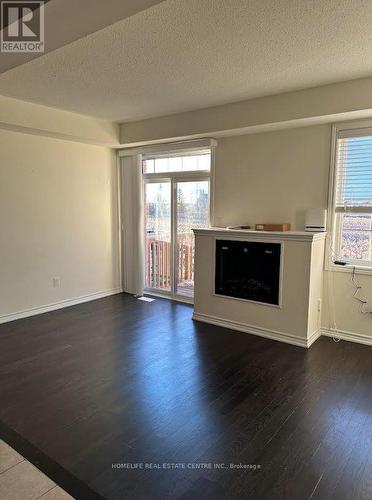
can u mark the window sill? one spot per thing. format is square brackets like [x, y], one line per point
[348, 268]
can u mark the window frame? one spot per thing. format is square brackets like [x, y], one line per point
[174, 178]
[190, 175]
[334, 226]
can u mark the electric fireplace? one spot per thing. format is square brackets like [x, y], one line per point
[248, 270]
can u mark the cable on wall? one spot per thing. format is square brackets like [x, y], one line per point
[357, 288]
[364, 308]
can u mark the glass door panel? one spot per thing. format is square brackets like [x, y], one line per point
[158, 248]
[192, 211]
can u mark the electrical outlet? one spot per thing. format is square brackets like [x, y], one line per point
[57, 282]
[319, 305]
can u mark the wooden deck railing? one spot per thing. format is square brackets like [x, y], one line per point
[158, 262]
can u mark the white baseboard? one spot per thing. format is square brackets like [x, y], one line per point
[313, 337]
[58, 305]
[261, 332]
[350, 336]
[205, 318]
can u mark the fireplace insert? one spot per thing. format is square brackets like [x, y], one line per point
[248, 270]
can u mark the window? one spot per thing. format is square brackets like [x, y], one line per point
[194, 162]
[352, 197]
[176, 196]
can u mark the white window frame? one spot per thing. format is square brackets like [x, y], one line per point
[361, 267]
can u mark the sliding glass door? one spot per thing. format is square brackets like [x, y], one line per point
[192, 211]
[158, 239]
[176, 201]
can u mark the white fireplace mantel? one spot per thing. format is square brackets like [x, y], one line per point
[297, 320]
[249, 234]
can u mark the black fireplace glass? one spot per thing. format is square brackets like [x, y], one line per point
[248, 270]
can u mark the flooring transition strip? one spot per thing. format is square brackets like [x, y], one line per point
[62, 477]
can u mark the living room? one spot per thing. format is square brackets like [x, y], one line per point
[185, 258]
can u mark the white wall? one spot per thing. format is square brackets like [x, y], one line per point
[58, 218]
[272, 177]
[275, 177]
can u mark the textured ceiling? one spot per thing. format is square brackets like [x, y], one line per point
[181, 55]
[69, 20]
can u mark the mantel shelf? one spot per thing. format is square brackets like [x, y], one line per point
[264, 235]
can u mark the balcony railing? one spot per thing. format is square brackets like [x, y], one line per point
[158, 263]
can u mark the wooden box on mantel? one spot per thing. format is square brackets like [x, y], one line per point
[273, 227]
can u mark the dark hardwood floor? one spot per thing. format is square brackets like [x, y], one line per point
[90, 391]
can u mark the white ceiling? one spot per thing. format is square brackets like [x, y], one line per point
[186, 54]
